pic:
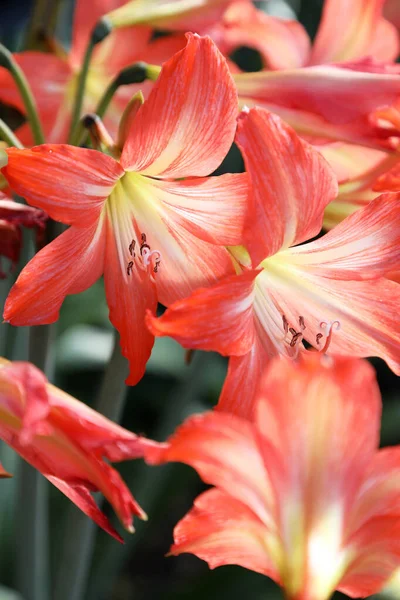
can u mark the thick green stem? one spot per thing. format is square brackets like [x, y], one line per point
[7, 61]
[8, 135]
[33, 560]
[76, 557]
[99, 33]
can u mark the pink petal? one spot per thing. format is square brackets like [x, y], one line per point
[223, 531]
[70, 184]
[69, 265]
[290, 184]
[187, 125]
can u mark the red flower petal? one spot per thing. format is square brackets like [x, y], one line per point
[187, 125]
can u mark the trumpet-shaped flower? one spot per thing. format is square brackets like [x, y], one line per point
[330, 292]
[67, 442]
[331, 90]
[302, 493]
[53, 76]
[154, 234]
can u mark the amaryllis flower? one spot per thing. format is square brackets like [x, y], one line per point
[302, 494]
[319, 99]
[331, 292]
[53, 76]
[13, 216]
[67, 442]
[154, 234]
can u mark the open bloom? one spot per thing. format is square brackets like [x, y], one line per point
[331, 292]
[53, 76]
[13, 216]
[152, 233]
[302, 493]
[331, 90]
[67, 442]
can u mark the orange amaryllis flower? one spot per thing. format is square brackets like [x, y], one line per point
[153, 234]
[67, 442]
[329, 292]
[302, 493]
[53, 77]
[13, 216]
[330, 101]
[347, 32]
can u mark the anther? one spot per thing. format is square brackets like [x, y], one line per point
[292, 330]
[132, 248]
[129, 267]
[295, 338]
[318, 337]
[302, 323]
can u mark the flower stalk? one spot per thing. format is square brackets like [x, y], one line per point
[8, 62]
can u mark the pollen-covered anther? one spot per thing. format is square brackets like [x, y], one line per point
[129, 267]
[329, 327]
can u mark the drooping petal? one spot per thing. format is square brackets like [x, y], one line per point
[130, 287]
[70, 184]
[162, 213]
[366, 245]
[68, 265]
[221, 447]
[318, 435]
[282, 44]
[187, 125]
[290, 184]
[340, 94]
[364, 311]
[359, 27]
[81, 496]
[218, 318]
[223, 531]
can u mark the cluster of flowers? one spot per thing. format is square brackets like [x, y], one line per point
[301, 492]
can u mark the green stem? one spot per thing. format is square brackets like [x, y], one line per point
[7, 61]
[8, 135]
[33, 560]
[76, 557]
[100, 31]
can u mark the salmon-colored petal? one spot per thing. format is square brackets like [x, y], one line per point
[238, 395]
[81, 496]
[338, 93]
[366, 245]
[187, 125]
[388, 182]
[218, 318]
[350, 161]
[358, 23]
[221, 447]
[378, 546]
[69, 265]
[130, 291]
[385, 45]
[161, 212]
[290, 184]
[70, 184]
[318, 435]
[365, 312]
[282, 44]
[223, 531]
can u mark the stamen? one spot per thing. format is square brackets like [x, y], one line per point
[302, 323]
[129, 267]
[328, 333]
[143, 245]
[292, 330]
[285, 324]
[295, 338]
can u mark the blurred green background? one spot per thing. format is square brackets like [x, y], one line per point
[169, 392]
